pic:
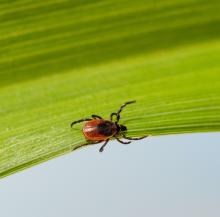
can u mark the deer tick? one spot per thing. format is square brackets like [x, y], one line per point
[97, 129]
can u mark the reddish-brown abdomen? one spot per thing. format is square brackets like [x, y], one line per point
[98, 129]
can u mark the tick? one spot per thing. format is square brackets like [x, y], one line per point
[97, 129]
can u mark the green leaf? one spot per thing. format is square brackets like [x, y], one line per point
[64, 60]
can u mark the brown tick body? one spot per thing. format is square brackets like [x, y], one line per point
[98, 130]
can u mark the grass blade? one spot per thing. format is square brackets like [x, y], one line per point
[64, 60]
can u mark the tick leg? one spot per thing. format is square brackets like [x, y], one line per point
[86, 144]
[96, 116]
[79, 121]
[131, 138]
[122, 141]
[120, 110]
[102, 148]
[113, 114]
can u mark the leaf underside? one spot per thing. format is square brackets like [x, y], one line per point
[64, 60]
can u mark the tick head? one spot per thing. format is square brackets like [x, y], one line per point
[123, 128]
